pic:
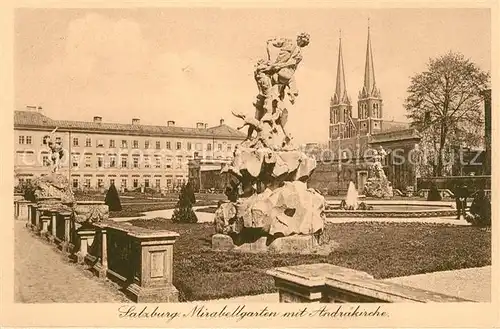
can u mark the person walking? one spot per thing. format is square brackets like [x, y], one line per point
[461, 194]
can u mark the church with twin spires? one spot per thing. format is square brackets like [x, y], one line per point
[369, 106]
[351, 138]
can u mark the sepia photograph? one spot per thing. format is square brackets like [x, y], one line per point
[251, 155]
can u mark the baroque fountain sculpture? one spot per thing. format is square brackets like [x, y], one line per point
[52, 192]
[270, 207]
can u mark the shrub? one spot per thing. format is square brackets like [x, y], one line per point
[434, 194]
[184, 211]
[113, 199]
[27, 189]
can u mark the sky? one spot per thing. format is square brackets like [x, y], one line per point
[196, 64]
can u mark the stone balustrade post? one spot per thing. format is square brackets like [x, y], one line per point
[147, 273]
[44, 221]
[66, 243]
[53, 225]
[22, 209]
[85, 238]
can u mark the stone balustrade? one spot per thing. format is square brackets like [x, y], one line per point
[21, 209]
[328, 283]
[140, 260]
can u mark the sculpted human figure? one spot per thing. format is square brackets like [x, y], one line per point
[56, 152]
[286, 62]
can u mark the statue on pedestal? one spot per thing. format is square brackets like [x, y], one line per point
[269, 202]
[57, 151]
[377, 184]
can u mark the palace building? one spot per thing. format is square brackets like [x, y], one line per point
[131, 156]
[351, 138]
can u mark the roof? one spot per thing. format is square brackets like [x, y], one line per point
[36, 120]
[394, 125]
[395, 135]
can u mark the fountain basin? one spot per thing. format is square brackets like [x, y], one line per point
[394, 209]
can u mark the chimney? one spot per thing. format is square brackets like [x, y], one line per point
[221, 122]
[170, 123]
[136, 121]
[31, 108]
[200, 125]
[97, 119]
[206, 125]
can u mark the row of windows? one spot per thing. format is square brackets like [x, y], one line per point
[123, 182]
[124, 143]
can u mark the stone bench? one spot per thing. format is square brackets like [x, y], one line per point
[328, 283]
[138, 259]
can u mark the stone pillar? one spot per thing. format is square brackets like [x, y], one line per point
[44, 220]
[153, 256]
[22, 209]
[85, 238]
[100, 267]
[53, 225]
[66, 243]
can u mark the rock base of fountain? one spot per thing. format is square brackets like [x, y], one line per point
[378, 188]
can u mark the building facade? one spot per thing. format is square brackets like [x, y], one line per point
[131, 156]
[352, 139]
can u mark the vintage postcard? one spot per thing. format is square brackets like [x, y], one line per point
[225, 164]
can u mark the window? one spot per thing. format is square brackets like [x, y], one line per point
[100, 161]
[87, 182]
[112, 161]
[111, 181]
[21, 139]
[169, 182]
[169, 163]
[135, 144]
[88, 161]
[219, 147]
[158, 145]
[168, 145]
[146, 144]
[88, 142]
[28, 139]
[179, 182]
[209, 147]
[100, 182]
[46, 161]
[147, 162]
[157, 162]
[124, 143]
[146, 182]
[157, 182]
[136, 182]
[28, 180]
[124, 162]
[179, 163]
[100, 143]
[189, 146]
[136, 162]
[75, 182]
[178, 146]
[124, 183]
[112, 143]
[45, 140]
[229, 147]
[196, 155]
[75, 161]
[75, 141]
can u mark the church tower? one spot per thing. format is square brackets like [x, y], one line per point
[369, 99]
[340, 105]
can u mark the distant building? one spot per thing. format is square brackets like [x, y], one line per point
[129, 155]
[350, 138]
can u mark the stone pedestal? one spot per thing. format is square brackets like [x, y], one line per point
[153, 282]
[44, 227]
[85, 238]
[22, 209]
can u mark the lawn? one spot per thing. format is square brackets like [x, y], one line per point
[381, 249]
[137, 209]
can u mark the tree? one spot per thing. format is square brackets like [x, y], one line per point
[445, 104]
[184, 211]
[113, 199]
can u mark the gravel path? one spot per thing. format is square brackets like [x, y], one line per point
[42, 275]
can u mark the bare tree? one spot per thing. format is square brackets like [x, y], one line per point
[445, 103]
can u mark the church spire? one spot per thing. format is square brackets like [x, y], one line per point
[340, 96]
[369, 86]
